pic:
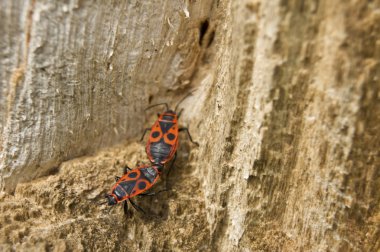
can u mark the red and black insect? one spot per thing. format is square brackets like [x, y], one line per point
[163, 140]
[134, 182]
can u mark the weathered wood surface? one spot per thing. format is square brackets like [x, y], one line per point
[287, 113]
[76, 75]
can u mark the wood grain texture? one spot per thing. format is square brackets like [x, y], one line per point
[287, 167]
[76, 75]
[286, 110]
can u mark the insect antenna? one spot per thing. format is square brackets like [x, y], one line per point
[184, 98]
[158, 104]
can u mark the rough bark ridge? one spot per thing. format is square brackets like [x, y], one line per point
[287, 113]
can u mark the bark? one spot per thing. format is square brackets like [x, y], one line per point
[286, 111]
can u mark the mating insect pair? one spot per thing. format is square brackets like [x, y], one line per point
[160, 148]
[134, 182]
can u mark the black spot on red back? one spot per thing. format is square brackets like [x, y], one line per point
[141, 185]
[132, 175]
[155, 134]
[171, 136]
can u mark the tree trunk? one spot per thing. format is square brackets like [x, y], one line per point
[286, 109]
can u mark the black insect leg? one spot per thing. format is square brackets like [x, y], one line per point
[125, 207]
[146, 129]
[174, 159]
[117, 178]
[126, 169]
[139, 163]
[153, 193]
[188, 133]
[179, 114]
[158, 104]
[135, 206]
[172, 164]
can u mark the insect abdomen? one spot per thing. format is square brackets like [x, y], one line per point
[159, 151]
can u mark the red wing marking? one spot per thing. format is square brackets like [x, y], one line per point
[171, 137]
[156, 133]
[140, 183]
[141, 186]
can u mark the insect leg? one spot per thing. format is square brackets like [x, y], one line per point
[179, 114]
[174, 159]
[172, 164]
[153, 193]
[117, 178]
[135, 206]
[146, 129]
[125, 208]
[126, 169]
[188, 133]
